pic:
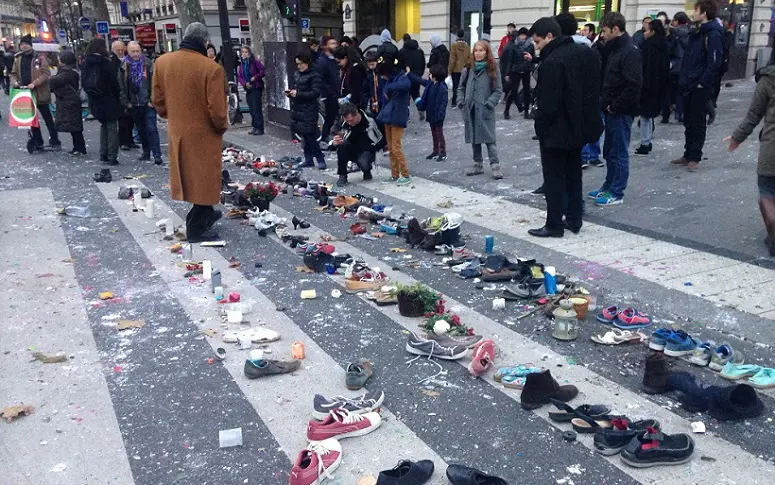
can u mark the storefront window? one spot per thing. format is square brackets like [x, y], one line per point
[587, 10]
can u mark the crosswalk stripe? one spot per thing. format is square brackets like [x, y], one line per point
[282, 402]
[515, 348]
[74, 428]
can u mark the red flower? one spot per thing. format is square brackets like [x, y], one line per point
[470, 331]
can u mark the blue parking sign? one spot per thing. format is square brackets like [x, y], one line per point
[103, 27]
[305, 24]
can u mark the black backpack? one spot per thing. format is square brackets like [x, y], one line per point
[90, 81]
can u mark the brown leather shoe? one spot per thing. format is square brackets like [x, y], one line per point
[680, 161]
[693, 166]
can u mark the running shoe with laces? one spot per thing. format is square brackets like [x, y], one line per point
[596, 193]
[365, 403]
[341, 424]
[446, 340]
[316, 462]
[419, 346]
[608, 199]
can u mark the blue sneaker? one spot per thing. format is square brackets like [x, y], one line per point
[702, 354]
[680, 345]
[596, 193]
[661, 335]
[608, 199]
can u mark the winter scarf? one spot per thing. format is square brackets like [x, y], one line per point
[479, 65]
[194, 46]
[246, 62]
[136, 70]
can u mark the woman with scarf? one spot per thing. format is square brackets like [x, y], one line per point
[135, 79]
[66, 87]
[479, 93]
[250, 74]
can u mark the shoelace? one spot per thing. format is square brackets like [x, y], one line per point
[320, 451]
[434, 345]
[357, 402]
[343, 416]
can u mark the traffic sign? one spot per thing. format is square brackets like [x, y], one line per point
[62, 34]
[305, 24]
[103, 27]
[85, 23]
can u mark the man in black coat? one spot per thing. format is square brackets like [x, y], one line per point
[414, 59]
[328, 69]
[620, 102]
[125, 121]
[565, 113]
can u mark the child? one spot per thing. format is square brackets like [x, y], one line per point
[373, 89]
[434, 103]
[479, 93]
[395, 115]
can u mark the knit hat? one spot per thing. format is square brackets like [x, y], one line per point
[385, 36]
[27, 39]
[435, 40]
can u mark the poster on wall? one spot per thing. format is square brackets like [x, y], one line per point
[145, 34]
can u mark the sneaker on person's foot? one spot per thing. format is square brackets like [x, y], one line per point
[680, 345]
[692, 166]
[597, 163]
[584, 164]
[390, 180]
[419, 346]
[643, 149]
[679, 161]
[442, 156]
[358, 373]
[366, 403]
[432, 156]
[341, 424]
[316, 462]
[342, 181]
[608, 199]
[596, 193]
[404, 180]
[264, 367]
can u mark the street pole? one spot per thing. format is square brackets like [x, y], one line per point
[298, 23]
[228, 52]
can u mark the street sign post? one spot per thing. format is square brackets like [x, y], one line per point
[103, 28]
[62, 34]
[305, 24]
[84, 23]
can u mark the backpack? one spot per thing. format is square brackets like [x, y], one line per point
[90, 81]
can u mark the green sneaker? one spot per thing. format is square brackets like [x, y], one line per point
[358, 373]
[404, 181]
[390, 180]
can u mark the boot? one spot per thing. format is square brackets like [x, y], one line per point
[477, 169]
[655, 374]
[540, 387]
[342, 181]
[496, 171]
[506, 115]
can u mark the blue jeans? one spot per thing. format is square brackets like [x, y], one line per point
[591, 151]
[256, 110]
[153, 132]
[616, 151]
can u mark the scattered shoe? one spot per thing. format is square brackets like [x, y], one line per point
[299, 223]
[264, 367]
[446, 340]
[104, 176]
[341, 424]
[541, 387]
[565, 413]
[702, 354]
[612, 441]
[660, 337]
[419, 346]
[368, 402]
[764, 379]
[678, 345]
[407, 472]
[464, 475]
[608, 315]
[724, 354]
[655, 374]
[653, 448]
[358, 373]
[734, 372]
[630, 318]
[618, 337]
[316, 462]
[482, 360]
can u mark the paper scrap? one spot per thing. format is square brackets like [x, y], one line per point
[308, 294]
[397, 250]
[106, 295]
[698, 427]
[213, 244]
[126, 324]
[12, 412]
[304, 269]
[49, 359]
[430, 393]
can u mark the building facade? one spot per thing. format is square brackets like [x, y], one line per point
[750, 20]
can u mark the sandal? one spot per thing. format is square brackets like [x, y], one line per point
[617, 337]
[608, 315]
[566, 413]
[586, 424]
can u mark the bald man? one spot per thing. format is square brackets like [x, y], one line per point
[125, 122]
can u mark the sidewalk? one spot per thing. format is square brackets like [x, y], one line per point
[712, 210]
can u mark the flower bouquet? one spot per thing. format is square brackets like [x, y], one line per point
[260, 194]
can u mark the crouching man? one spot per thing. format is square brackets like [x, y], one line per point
[358, 142]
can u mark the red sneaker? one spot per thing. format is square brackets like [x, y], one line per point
[316, 462]
[482, 361]
[341, 424]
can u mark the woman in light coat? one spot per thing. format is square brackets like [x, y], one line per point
[479, 93]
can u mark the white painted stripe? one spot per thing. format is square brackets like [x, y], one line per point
[74, 423]
[284, 403]
[514, 348]
[666, 264]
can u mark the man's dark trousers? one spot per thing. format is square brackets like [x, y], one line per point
[562, 182]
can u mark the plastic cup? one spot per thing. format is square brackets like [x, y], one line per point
[230, 437]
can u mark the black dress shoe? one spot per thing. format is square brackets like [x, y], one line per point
[215, 217]
[574, 230]
[103, 176]
[539, 191]
[208, 235]
[544, 232]
[465, 475]
[299, 223]
[407, 472]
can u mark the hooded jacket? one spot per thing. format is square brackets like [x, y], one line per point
[459, 56]
[623, 77]
[656, 76]
[434, 99]
[679, 37]
[762, 107]
[395, 110]
[702, 60]
[386, 47]
[105, 107]
[439, 53]
[328, 69]
[413, 57]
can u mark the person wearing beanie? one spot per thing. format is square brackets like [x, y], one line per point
[31, 71]
[439, 53]
[328, 69]
[386, 46]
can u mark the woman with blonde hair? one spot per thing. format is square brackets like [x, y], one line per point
[479, 93]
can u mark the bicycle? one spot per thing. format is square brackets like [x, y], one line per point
[235, 109]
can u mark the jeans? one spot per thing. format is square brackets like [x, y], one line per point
[79, 144]
[153, 132]
[109, 141]
[591, 151]
[562, 183]
[37, 136]
[492, 153]
[455, 83]
[347, 152]
[125, 125]
[439, 143]
[646, 130]
[394, 135]
[331, 111]
[139, 118]
[254, 98]
[312, 149]
[198, 219]
[616, 151]
[695, 122]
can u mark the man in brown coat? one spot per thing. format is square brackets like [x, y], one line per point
[188, 92]
[31, 71]
[459, 56]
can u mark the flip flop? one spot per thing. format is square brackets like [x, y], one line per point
[617, 337]
[521, 370]
[764, 379]
[734, 372]
[565, 413]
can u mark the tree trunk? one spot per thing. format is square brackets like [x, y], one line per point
[189, 11]
[101, 10]
[264, 21]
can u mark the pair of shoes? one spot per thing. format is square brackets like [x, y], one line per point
[409, 472]
[644, 149]
[540, 387]
[607, 199]
[626, 319]
[544, 232]
[359, 277]
[432, 156]
[465, 475]
[103, 176]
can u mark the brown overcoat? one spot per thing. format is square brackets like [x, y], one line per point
[188, 92]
